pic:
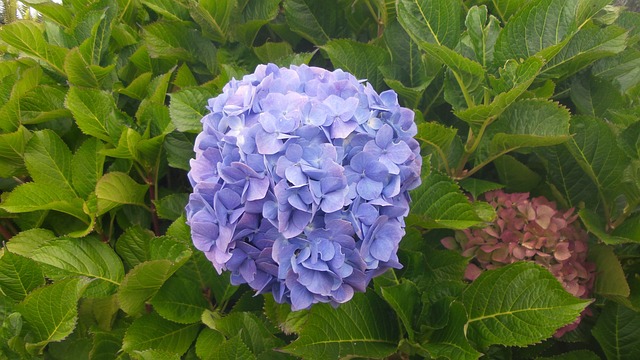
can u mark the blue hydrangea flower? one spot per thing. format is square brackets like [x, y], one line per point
[301, 183]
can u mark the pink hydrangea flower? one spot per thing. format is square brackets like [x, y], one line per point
[529, 230]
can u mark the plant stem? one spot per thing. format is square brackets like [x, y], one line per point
[6, 234]
[154, 213]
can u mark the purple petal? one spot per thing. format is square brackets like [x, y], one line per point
[369, 189]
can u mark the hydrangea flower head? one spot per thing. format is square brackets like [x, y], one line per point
[301, 183]
[529, 230]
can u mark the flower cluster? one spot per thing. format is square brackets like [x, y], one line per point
[300, 183]
[532, 230]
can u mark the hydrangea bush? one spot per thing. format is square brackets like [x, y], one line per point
[529, 229]
[300, 183]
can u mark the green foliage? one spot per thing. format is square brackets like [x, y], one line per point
[100, 105]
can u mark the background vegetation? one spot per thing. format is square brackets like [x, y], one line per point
[100, 104]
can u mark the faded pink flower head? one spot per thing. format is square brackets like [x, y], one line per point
[529, 230]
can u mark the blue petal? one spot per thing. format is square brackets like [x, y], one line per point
[369, 189]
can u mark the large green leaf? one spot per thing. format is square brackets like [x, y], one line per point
[518, 305]
[87, 166]
[82, 73]
[12, 146]
[141, 283]
[133, 245]
[363, 327]
[187, 108]
[213, 17]
[95, 113]
[208, 344]
[51, 312]
[404, 299]
[483, 30]
[362, 60]
[180, 300]
[116, 188]
[433, 21]
[48, 160]
[87, 257]
[588, 45]
[18, 276]
[315, 21]
[175, 10]
[596, 97]
[252, 331]
[567, 177]
[515, 79]
[254, 15]
[151, 331]
[610, 277]
[451, 342]
[527, 123]
[595, 149]
[25, 242]
[617, 332]
[538, 25]
[439, 203]
[27, 37]
[35, 196]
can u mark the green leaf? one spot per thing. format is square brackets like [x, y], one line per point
[506, 8]
[538, 25]
[213, 17]
[12, 147]
[153, 354]
[483, 37]
[272, 51]
[588, 45]
[451, 342]
[27, 37]
[19, 276]
[439, 203]
[175, 41]
[200, 269]
[41, 104]
[137, 89]
[315, 21]
[252, 331]
[527, 123]
[133, 245]
[208, 344]
[81, 73]
[51, 312]
[595, 225]
[362, 60]
[179, 149]
[25, 242]
[254, 15]
[95, 113]
[409, 73]
[433, 21]
[361, 327]
[477, 187]
[171, 206]
[96, 45]
[404, 299]
[595, 97]
[175, 10]
[629, 140]
[116, 188]
[34, 196]
[516, 176]
[595, 148]
[232, 349]
[610, 277]
[86, 167]
[617, 332]
[515, 79]
[180, 300]
[567, 177]
[53, 11]
[187, 108]
[141, 283]
[106, 345]
[153, 332]
[517, 305]
[48, 160]
[622, 69]
[84, 257]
